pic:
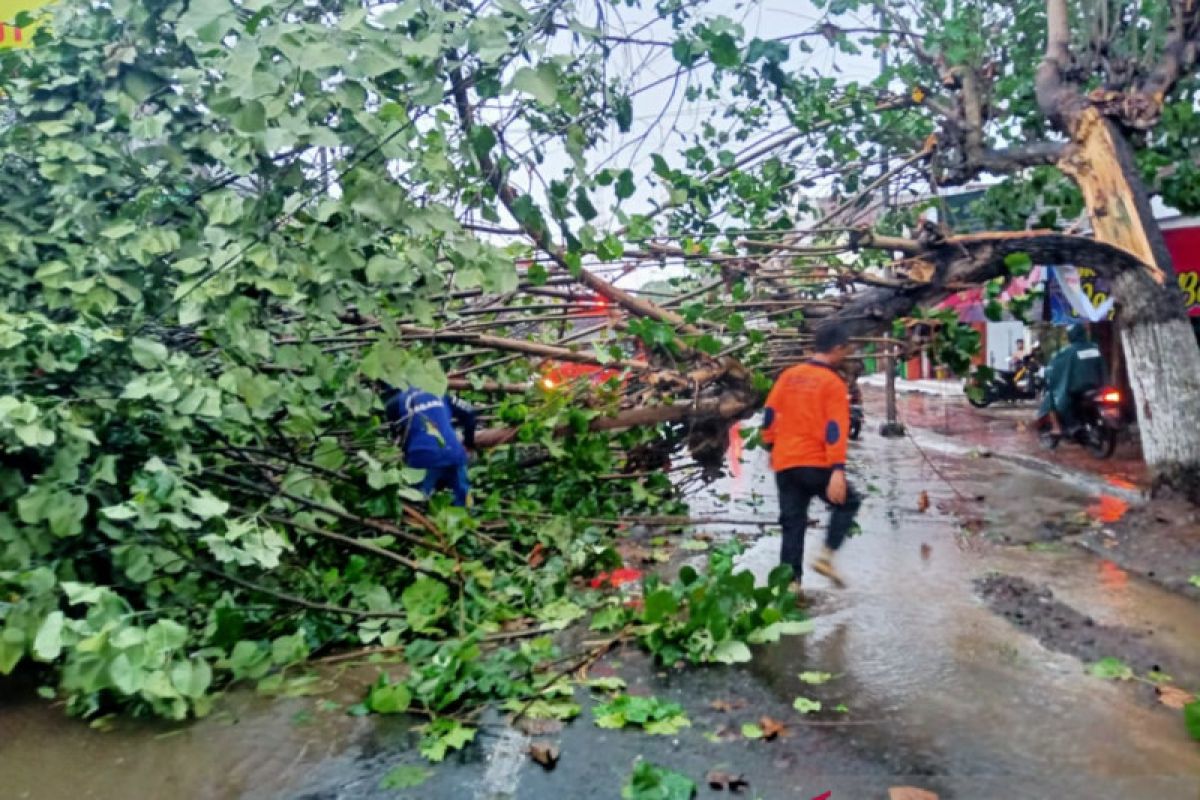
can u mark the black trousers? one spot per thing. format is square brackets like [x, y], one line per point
[797, 487]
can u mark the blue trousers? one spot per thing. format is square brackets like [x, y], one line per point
[453, 477]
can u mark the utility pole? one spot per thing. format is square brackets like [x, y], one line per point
[891, 427]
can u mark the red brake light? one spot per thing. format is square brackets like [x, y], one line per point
[1111, 396]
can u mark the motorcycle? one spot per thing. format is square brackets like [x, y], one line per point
[1027, 382]
[1098, 423]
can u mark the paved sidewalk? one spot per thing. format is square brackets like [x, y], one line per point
[943, 388]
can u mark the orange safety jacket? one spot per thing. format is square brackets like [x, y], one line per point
[807, 418]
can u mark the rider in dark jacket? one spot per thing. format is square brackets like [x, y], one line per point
[1074, 371]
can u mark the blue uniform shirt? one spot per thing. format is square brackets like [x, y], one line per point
[424, 423]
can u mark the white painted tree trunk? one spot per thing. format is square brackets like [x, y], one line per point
[1164, 370]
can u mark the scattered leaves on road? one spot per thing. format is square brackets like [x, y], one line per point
[1112, 669]
[771, 728]
[649, 713]
[538, 727]
[727, 706]
[1174, 697]
[544, 753]
[652, 782]
[609, 683]
[806, 706]
[923, 502]
[725, 781]
[816, 678]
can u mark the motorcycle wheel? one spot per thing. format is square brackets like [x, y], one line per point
[1101, 441]
[984, 400]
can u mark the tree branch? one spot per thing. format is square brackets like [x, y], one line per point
[1055, 94]
[508, 196]
[1179, 57]
[972, 260]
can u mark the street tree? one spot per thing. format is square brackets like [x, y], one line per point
[226, 225]
[1070, 106]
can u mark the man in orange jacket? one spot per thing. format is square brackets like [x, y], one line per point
[806, 427]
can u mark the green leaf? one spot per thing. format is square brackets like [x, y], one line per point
[405, 777]
[1191, 719]
[118, 230]
[192, 678]
[541, 83]
[659, 605]
[250, 118]
[443, 735]
[751, 731]
[723, 50]
[652, 782]
[559, 614]
[1112, 669]
[48, 643]
[625, 187]
[545, 708]
[1018, 263]
[805, 705]
[147, 352]
[816, 678]
[206, 505]
[427, 600]
[389, 698]
[772, 633]
[1195, 581]
[732, 652]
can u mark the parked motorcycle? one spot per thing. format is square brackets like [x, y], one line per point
[1098, 423]
[1026, 383]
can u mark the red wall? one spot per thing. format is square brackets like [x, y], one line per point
[1184, 244]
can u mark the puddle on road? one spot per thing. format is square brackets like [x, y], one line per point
[957, 689]
[254, 748]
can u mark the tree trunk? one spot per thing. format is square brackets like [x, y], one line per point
[1160, 349]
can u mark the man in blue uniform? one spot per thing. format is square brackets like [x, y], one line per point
[423, 424]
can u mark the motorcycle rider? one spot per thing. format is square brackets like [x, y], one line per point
[1017, 359]
[1074, 371]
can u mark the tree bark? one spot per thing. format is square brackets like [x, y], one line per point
[1160, 349]
[730, 405]
[1162, 356]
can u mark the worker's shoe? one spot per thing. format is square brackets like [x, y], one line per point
[802, 600]
[823, 565]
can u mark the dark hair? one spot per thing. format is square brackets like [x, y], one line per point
[831, 336]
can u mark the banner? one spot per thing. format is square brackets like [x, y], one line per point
[11, 36]
[1184, 244]
[1080, 295]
